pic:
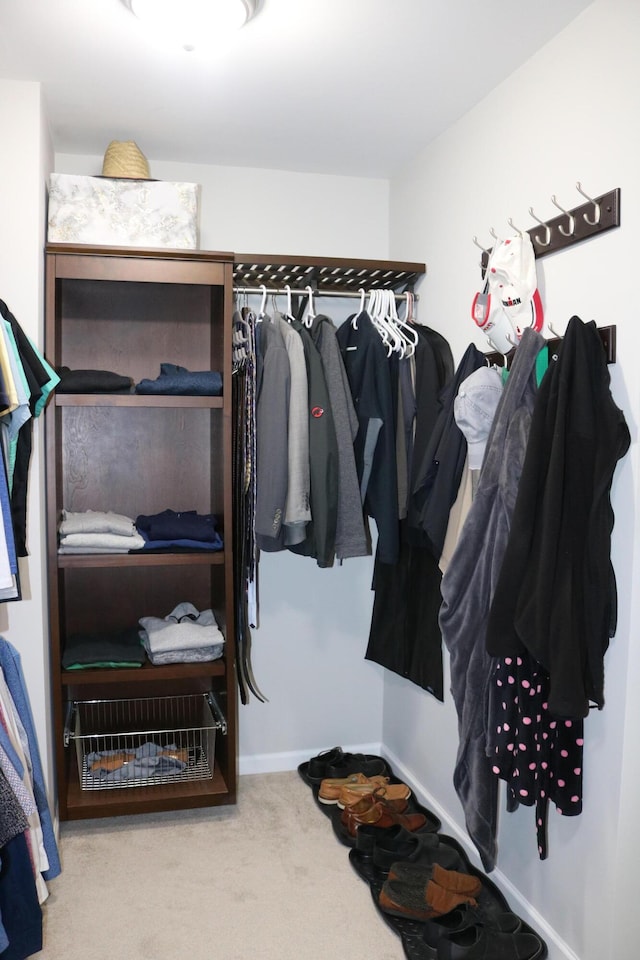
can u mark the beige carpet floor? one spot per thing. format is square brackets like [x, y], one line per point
[264, 879]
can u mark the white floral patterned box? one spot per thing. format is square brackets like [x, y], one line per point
[135, 213]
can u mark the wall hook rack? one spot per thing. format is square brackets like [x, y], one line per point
[572, 226]
[607, 336]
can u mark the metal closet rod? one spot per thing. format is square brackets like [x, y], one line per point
[301, 292]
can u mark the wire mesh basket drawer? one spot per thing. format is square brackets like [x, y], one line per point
[145, 741]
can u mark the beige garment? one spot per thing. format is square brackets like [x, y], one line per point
[458, 514]
[7, 376]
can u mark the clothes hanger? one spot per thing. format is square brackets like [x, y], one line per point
[263, 302]
[407, 336]
[391, 315]
[310, 317]
[261, 312]
[356, 316]
[409, 333]
[289, 313]
[376, 312]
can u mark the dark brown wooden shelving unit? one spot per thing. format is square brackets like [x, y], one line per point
[128, 310]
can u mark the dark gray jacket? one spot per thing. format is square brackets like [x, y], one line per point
[467, 590]
[351, 539]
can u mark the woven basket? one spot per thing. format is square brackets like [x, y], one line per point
[124, 158]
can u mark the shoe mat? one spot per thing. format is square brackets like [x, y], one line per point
[411, 931]
[490, 899]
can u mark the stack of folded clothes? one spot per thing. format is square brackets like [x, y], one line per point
[178, 381]
[94, 531]
[186, 530]
[184, 636]
[116, 649]
[93, 381]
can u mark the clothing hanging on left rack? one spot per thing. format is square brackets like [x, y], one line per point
[26, 382]
[28, 854]
[243, 385]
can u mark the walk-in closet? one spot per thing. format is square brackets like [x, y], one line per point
[319, 417]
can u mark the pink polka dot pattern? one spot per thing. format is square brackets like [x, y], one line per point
[539, 756]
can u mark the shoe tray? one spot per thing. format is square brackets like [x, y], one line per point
[411, 931]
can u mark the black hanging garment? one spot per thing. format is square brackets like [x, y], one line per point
[556, 593]
[405, 636]
[372, 379]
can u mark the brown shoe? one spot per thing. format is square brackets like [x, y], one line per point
[419, 873]
[363, 806]
[353, 792]
[417, 902]
[330, 788]
[381, 815]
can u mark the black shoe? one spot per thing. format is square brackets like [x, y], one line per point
[467, 916]
[480, 942]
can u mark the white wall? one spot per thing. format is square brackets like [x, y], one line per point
[248, 210]
[308, 653]
[25, 158]
[570, 113]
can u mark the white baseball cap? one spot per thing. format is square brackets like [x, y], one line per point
[488, 314]
[512, 280]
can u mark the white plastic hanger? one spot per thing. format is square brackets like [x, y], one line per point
[391, 316]
[289, 313]
[356, 316]
[263, 303]
[310, 317]
[376, 312]
[408, 334]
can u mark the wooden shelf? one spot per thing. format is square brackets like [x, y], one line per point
[324, 273]
[207, 558]
[121, 801]
[135, 400]
[144, 674]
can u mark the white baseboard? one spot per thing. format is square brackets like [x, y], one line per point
[558, 949]
[279, 762]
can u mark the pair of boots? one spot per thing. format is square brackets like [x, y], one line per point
[417, 892]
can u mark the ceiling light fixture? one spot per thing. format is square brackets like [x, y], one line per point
[192, 23]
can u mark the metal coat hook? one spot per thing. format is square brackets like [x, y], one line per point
[478, 244]
[513, 227]
[554, 332]
[572, 219]
[494, 235]
[596, 206]
[547, 240]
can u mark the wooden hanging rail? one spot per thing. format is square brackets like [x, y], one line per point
[324, 274]
[597, 215]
